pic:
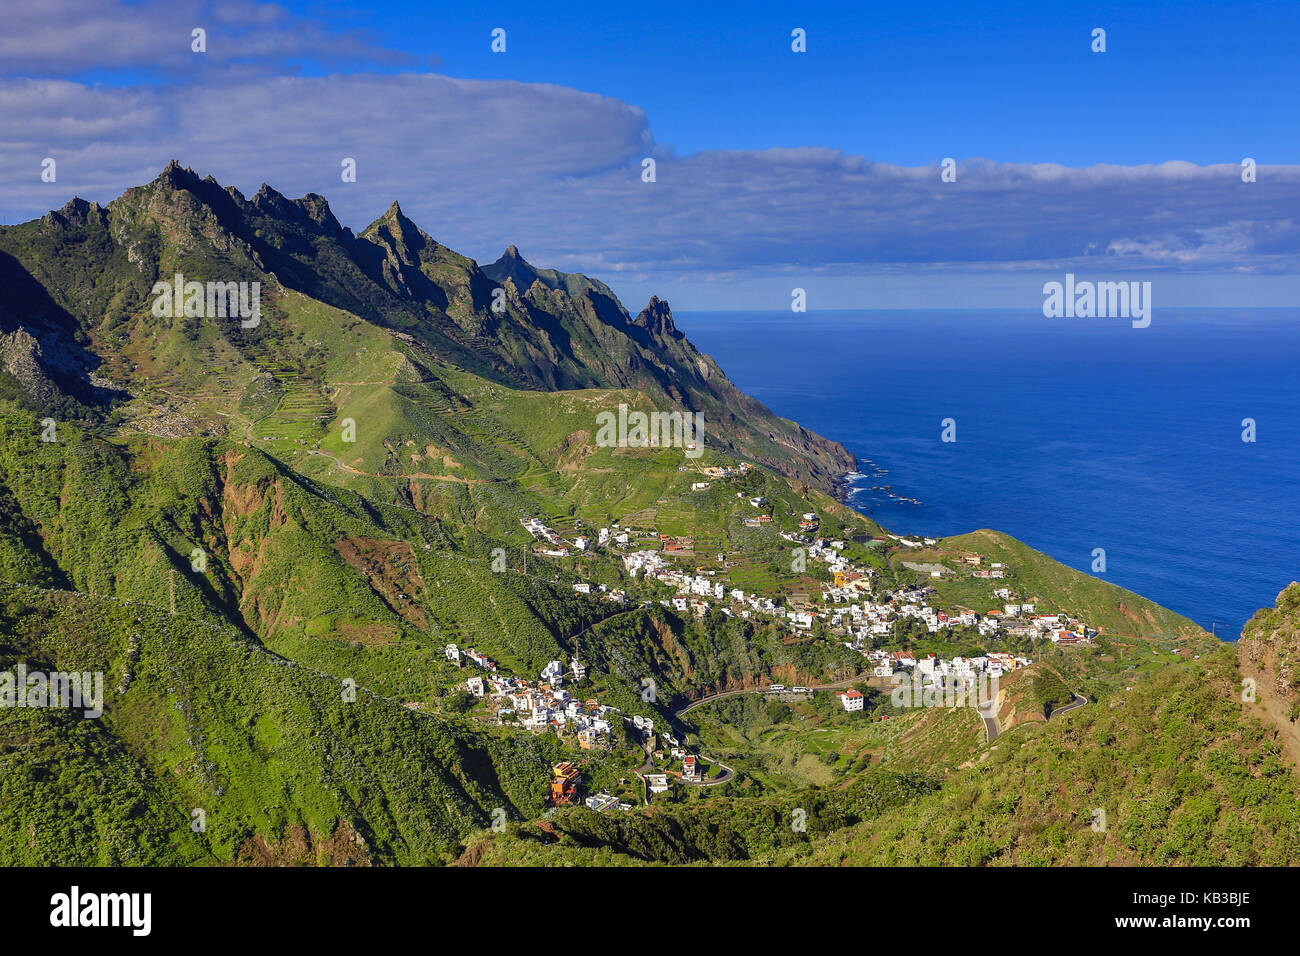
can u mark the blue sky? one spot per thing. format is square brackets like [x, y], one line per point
[776, 169]
[901, 83]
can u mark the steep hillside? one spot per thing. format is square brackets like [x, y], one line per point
[1183, 773]
[78, 296]
[283, 766]
[238, 522]
[1269, 653]
[1113, 609]
[1176, 772]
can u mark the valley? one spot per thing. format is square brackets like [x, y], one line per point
[440, 620]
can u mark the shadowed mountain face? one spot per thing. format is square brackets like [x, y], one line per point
[80, 280]
[271, 531]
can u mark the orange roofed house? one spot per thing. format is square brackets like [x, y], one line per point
[564, 783]
[852, 699]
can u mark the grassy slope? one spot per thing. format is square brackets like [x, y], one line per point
[365, 569]
[1184, 775]
[1106, 606]
[714, 829]
[211, 720]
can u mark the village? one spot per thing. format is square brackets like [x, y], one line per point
[851, 608]
[546, 704]
[540, 704]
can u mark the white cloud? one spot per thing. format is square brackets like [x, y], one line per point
[64, 37]
[484, 163]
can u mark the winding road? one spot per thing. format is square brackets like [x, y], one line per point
[989, 714]
[728, 773]
[1079, 701]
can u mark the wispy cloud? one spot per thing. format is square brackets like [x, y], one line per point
[56, 38]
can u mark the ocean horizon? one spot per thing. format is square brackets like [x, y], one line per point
[1071, 434]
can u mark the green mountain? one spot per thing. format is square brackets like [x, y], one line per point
[82, 277]
[264, 533]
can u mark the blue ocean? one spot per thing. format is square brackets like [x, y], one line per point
[1071, 434]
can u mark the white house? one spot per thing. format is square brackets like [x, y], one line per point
[553, 671]
[649, 561]
[852, 699]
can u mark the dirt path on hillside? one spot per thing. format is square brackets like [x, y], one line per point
[1271, 709]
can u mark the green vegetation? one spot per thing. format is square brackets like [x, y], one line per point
[246, 526]
[1105, 606]
[262, 745]
[1270, 650]
[1183, 775]
[715, 831]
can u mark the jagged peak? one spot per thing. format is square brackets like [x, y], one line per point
[177, 176]
[395, 215]
[657, 318]
[76, 211]
[511, 262]
[271, 202]
[180, 190]
[312, 208]
[396, 220]
[78, 206]
[267, 194]
[317, 208]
